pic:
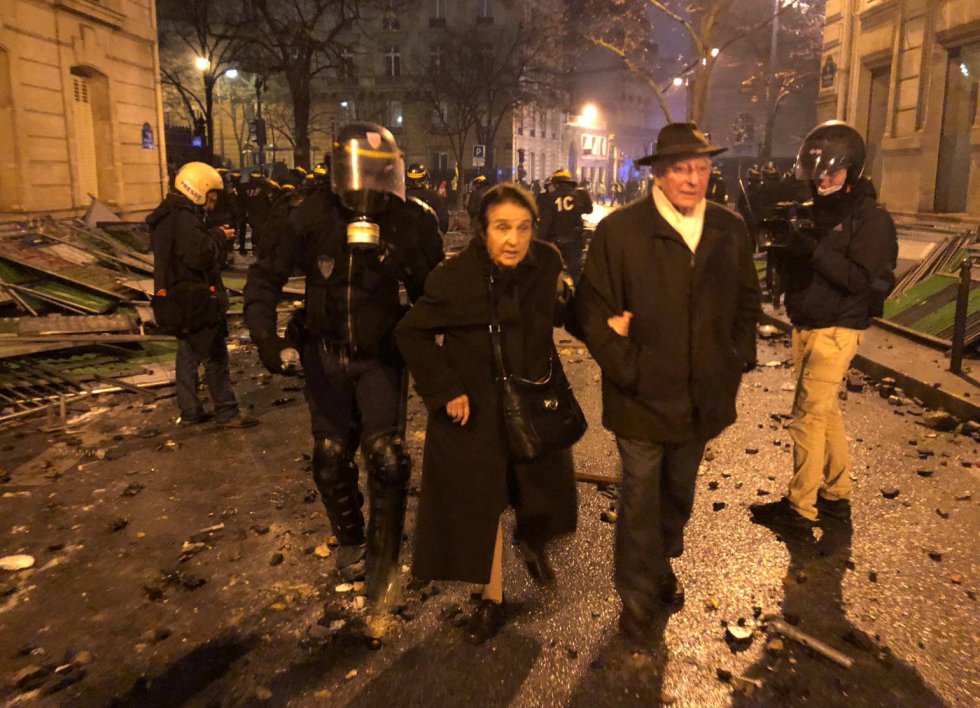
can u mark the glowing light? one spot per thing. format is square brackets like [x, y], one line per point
[590, 114]
[232, 73]
[714, 52]
[202, 63]
[678, 81]
[343, 104]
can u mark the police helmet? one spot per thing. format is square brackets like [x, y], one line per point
[770, 173]
[829, 148]
[754, 175]
[195, 179]
[417, 176]
[562, 175]
[367, 167]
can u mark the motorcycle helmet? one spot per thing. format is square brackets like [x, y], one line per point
[195, 179]
[829, 148]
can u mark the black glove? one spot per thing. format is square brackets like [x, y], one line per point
[799, 243]
[269, 353]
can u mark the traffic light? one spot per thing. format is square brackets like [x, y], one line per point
[198, 132]
[257, 131]
[520, 156]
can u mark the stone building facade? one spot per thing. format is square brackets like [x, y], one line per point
[80, 108]
[906, 74]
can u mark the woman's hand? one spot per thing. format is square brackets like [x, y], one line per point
[459, 409]
[620, 324]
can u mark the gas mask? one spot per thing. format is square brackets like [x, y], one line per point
[367, 171]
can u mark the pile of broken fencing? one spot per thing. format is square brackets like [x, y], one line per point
[74, 299]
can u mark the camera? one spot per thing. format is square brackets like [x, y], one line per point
[776, 229]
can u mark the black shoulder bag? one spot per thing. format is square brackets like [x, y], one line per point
[540, 417]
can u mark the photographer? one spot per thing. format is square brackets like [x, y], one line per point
[837, 270]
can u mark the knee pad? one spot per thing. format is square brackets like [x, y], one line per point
[332, 462]
[388, 463]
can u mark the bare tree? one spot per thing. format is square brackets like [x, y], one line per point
[301, 40]
[198, 44]
[626, 28]
[789, 66]
[481, 77]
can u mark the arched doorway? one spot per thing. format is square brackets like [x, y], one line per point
[92, 130]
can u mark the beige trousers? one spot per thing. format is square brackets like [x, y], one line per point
[821, 463]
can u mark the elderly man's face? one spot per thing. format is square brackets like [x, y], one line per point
[685, 182]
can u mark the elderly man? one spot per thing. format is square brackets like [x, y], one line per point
[667, 305]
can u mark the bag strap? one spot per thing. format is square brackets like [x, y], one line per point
[498, 352]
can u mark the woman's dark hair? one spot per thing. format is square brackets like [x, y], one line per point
[505, 193]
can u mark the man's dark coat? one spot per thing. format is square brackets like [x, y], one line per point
[675, 377]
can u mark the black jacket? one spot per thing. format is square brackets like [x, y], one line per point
[675, 377]
[465, 484]
[352, 295]
[850, 270]
[561, 211]
[183, 249]
[436, 201]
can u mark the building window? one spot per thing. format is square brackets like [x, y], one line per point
[484, 15]
[393, 61]
[438, 16]
[345, 71]
[437, 57]
[395, 118]
[389, 20]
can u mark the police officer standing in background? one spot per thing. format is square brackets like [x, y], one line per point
[836, 274]
[355, 244]
[419, 187]
[562, 208]
[260, 192]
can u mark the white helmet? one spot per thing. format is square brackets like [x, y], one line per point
[196, 179]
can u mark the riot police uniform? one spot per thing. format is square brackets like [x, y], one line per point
[356, 244]
[419, 187]
[260, 192]
[561, 210]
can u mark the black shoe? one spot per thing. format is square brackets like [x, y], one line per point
[672, 592]
[779, 514]
[351, 562]
[194, 419]
[485, 622]
[834, 508]
[537, 564]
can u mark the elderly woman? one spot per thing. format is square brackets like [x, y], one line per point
[468, 475]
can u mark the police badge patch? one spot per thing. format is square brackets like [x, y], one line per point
[325, 265]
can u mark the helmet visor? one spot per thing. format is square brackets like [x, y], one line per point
[365, 170]
[815, 163]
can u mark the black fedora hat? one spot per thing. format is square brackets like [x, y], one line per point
[677, 139]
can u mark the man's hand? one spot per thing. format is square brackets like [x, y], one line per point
[228, 232]
[274, 354]
[620, 324]
[459, 409]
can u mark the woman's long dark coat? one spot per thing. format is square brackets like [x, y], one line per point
[467, 479]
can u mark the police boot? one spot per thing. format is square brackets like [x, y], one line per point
[335, 475]
[389, 469]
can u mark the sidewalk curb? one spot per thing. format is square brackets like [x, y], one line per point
[934, 397]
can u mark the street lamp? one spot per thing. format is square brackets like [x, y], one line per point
[590, 115]
[202, 63]
[232, 73]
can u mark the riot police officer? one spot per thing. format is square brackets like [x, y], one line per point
[260, 192]
[717, 190]
[355, 243]
[419, 186]
[478, 187]
[562, 208]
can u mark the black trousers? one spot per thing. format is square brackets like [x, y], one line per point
[655, 502]
[206, 346]
[571, 253]
[350, 400]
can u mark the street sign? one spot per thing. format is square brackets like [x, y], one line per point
[479, 155]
